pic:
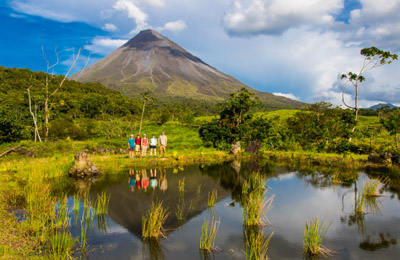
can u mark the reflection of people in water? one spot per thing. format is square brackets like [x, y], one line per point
[153, 179]
[163, 181]
[131, 180]
[138, 182]
[145, 180]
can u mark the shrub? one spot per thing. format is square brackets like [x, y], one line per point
[63, 129]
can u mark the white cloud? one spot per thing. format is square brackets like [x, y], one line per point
[174, 26]
[133, 12]
[156, 3]
[291, 46]
[109, 27]
[103, 45]
[286, 95]
[17, 15]
[276, 16]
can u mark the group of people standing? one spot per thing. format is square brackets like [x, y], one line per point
[139, 145]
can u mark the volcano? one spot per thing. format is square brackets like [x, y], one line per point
[152, 62]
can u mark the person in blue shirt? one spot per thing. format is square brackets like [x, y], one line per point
[153, 145]
[131, 146]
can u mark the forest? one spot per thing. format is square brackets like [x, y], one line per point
[82, 111]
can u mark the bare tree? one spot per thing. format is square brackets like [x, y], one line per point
[34, 115]
[49, 94]
[146, 99]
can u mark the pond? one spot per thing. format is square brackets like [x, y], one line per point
[298, 196]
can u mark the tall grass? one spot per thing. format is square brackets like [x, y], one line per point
[313, 235]
[257, 244]
[180, 211]
[209, 232]
[358, 203]
[60, 238]
[153, 221]
[102, 203]
[370, 188]
[256, 208]
[212, 198]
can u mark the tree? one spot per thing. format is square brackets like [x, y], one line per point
[320, 124]
[235, 109]
[146, 97]
[373, 57]
[233, 122]
[391, 121]
[50, 93]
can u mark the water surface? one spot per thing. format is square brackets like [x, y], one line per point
[299, 196]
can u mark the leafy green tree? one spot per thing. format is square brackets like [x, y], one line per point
[216, 134]
[320, 124]
[233, 124]
[391, 121]
[11, 127]
[373, 57]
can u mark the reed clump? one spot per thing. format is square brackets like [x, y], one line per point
[153, 221]
[370, 188]
[212, 198]
[257, 244]
[313, 235]
[180, 211]
[102, 203]
[358, 203]
[209, 232]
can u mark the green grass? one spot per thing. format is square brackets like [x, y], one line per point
[370, 188]
[153, 221]
[102, 203]
[313, 236]
[209, 232]
[257, 244]
[180, 211]
[255, 203]
[212, 198]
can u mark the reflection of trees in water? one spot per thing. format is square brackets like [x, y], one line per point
[326, 177]
[373, 244]
[392, 175]
[231, 179]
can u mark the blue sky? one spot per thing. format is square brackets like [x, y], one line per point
[295, 48]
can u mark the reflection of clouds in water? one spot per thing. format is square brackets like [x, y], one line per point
[116, 229]
[287, 176]
[289, 218]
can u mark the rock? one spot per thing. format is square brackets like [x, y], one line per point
[104, 150]
[253, 147]
[82, 166]
[386, 156]
[236, 166]
[123, 151]
[235, 148]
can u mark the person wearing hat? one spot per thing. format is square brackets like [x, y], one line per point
[138, 141]
[144, 144]
[131, 146]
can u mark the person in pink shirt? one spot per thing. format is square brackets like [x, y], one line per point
[144, 144]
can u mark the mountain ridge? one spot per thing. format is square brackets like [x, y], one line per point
[152, 62]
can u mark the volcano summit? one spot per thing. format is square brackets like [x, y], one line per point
[150, 61]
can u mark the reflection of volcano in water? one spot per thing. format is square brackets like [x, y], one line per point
[126, 208]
